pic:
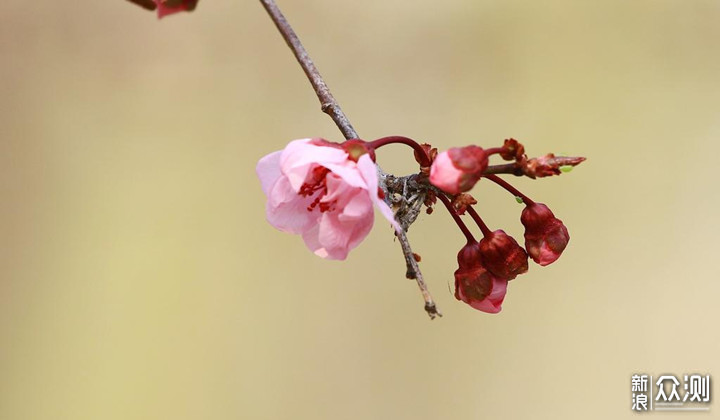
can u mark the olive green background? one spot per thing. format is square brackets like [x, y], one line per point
[139, 279]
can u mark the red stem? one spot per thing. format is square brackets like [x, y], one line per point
[375, 144]
[479, 221]
[457, 218]
[501, 182]
[493, 150]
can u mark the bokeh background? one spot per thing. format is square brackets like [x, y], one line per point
[139, 279]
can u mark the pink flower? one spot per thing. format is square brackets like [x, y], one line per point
[316, 189]
[168, 7]
[475, 285]
[545, 235]
[458, 169]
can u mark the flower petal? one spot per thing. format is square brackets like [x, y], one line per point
[359, 207]
[268, 170]
[338, 237]
[300, 156]
[312, 241]
[368, 169]
[348, 171]
[444, 175]
[492, 304]
[339, 193]
[287, 211]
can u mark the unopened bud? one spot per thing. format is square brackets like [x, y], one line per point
[480, 289]
[545, 235]
[475, 285]
[502, 255]
[458, 169]
[469, 255]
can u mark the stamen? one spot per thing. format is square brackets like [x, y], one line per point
[317, 182]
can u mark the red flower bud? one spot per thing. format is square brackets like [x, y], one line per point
[469, 255]
[545, 235]
[475, 285]
[458, 169]
[502, 255]
[480, 289]
[168, 7]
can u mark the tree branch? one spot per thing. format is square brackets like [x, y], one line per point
[541, 167]
[329, 105]
[507, 168]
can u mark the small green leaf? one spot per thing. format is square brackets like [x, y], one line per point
[566, 168]
[519, 199]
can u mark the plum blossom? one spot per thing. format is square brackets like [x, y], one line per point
[318, 190]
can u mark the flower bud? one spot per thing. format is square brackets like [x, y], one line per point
[469, 255]
[475, 285]
[168, 7]
[545, 235]
[458, 169]
[480, 289]
[502, 255]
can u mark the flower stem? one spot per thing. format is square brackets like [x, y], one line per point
[419, 151]
[456, 217]
[479, 221]
[512, 190]
[493, 151]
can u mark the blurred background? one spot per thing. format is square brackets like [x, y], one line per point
[139, 279]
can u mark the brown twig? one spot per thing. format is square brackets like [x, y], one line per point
[414, 273]
[536, 167]
[507, 168]
[329, 105]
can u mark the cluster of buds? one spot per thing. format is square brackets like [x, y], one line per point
[485, 267]
[326, 193]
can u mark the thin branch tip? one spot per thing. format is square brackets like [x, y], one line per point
[329, 105]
